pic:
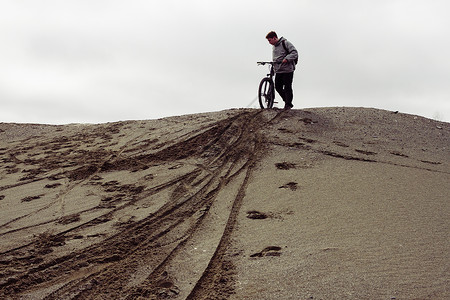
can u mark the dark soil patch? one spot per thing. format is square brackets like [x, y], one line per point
[256, 215]
[285, 166]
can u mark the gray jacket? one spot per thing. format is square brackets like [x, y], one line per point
[279, 53]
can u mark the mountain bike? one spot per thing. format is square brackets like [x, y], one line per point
[266, 90]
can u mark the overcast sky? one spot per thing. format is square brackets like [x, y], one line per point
[95, 61]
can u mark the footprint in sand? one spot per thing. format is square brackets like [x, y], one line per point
[340, 144]
[268, 251]
[365, 152]
[165, 288]
[256, 215]
[397, 153]
[285, 166]
[69, 219]
[31, 198]
[290, 185]
[52, 186]
[431, 162]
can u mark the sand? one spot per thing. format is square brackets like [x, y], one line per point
[323, 203]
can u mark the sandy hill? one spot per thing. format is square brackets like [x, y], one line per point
[327, 203]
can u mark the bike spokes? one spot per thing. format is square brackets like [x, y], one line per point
[266, 93]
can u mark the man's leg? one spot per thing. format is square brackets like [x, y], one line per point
[279, 85]
[283, 85]
[288, 93]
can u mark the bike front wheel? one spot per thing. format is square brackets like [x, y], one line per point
[266, 93]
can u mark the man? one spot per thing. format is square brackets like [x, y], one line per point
[284, 56]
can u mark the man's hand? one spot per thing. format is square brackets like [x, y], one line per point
[285, 61]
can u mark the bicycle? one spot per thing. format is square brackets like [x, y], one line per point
[266, 90]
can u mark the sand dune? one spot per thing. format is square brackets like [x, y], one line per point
[326, 203]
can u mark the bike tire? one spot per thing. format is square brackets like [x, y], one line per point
[266, 93]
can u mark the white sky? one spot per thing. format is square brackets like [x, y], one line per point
[95, 61]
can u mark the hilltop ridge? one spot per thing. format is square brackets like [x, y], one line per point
[302, 204]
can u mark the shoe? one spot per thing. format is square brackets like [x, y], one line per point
[288, 106]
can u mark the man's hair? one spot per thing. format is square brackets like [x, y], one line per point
[271, 35]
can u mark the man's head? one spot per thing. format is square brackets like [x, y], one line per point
[272, 37]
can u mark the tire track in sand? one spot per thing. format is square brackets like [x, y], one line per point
[143, 259]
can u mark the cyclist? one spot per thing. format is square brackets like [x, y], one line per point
[284, 56]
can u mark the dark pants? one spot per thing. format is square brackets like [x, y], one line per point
[283, 85]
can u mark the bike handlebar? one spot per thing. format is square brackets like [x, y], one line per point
[262, 63]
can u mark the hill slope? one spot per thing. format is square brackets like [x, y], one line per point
[324, 203]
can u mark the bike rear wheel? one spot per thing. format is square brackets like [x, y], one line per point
[266, 93]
